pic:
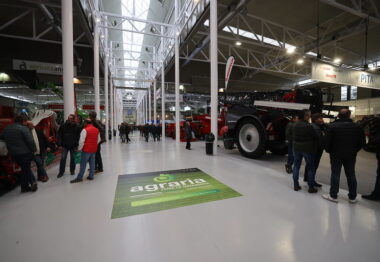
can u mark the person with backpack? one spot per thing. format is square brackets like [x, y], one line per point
[98, 158]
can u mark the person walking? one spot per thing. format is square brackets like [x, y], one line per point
[68, 138]
[122, 132]
[188, 134]
[146, 132]
[21, 147]
[344, 139]
[127, 131]
[39, 156]
[304, 146]
[289, 138]
[98, 158]
[88, 144]
[320, 129]
[375, 195]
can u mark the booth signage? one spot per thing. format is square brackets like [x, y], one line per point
[156, 191]
[229, 65]
[91, 107]
[338, 75]
[40, 67]
[170, 98]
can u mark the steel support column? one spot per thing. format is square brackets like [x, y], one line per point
[67, 56]
[106, 87]
[214, 69]
[163, 101]
[154, 102]
[112, 106]
[96, 68]
[149, 106]
[177, 108]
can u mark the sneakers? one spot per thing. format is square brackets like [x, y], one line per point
[297, 188]
[312, 190]
[76, 180]
[352, 201]
[329, 198]
[371, 197]
[288, 169]
[60, 175]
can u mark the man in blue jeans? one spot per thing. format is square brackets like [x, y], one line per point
[289, 138]
[344, 139]
[304, 146]
[88, 144]
[68, 137]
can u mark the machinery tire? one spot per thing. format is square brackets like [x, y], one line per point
[278, 148]
[251, 138]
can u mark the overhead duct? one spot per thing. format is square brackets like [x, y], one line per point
[233, 9]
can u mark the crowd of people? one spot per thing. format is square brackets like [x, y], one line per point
[342, 139]
[150, 130]
[26, 144]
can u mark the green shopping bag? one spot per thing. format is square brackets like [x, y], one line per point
[50, 158]
[77, 157]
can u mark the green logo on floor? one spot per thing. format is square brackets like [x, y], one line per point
[155, 191]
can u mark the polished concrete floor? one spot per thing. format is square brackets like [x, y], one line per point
[270, 222]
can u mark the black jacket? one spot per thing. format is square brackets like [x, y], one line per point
[320, 131]
[304, 137]
[19, 140]
[68, 135]
[289, 131]
[188, 131]
[96, 123]
[344, 139]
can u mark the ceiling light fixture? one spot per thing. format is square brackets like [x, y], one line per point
[238, 43]
[221, 90]
[181, 87]
[290, 49]
[300, 61]
[337, 60]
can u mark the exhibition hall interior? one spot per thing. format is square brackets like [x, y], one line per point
[189, 130]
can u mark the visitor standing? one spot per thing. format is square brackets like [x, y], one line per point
[304, 146]
[98, 158]
[122, 132]
[127, 131]
[344, 139]
[68, 138]
[41, 143]
[88, 144]
[146, 132]
[21, 147]
[188, 134]
[320, 128]
[375, 195]
[289, 138]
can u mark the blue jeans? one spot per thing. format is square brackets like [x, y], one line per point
[290, 154]
[39, 160]
[86, 157]
[310, 163]
[62, 165]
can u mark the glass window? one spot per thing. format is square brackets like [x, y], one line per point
[353, 93]
[343, 93]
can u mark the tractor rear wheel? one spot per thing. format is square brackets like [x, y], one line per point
[251, 138]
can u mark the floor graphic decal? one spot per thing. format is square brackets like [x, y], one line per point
[155, 191]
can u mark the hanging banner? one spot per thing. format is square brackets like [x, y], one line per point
[324, 72]
[40, 67]
[229, 65]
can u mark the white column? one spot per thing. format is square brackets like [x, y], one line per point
[112, 106]
[146, 108]
[176, 47]
[163, 101]
[154, 102]
[115, 110]
[214, 69]
[149, 105]
[96, 68]
[67, 57]
[106, 86]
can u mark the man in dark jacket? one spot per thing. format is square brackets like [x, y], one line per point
[343, 141]
[127, 131]
[21, 147]
[188, 134]
[122, 132]
[289, 138]
[68, 139]
[304, 146]
[375, 195]
[98, 157]
[146, 129]
[319, 127]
